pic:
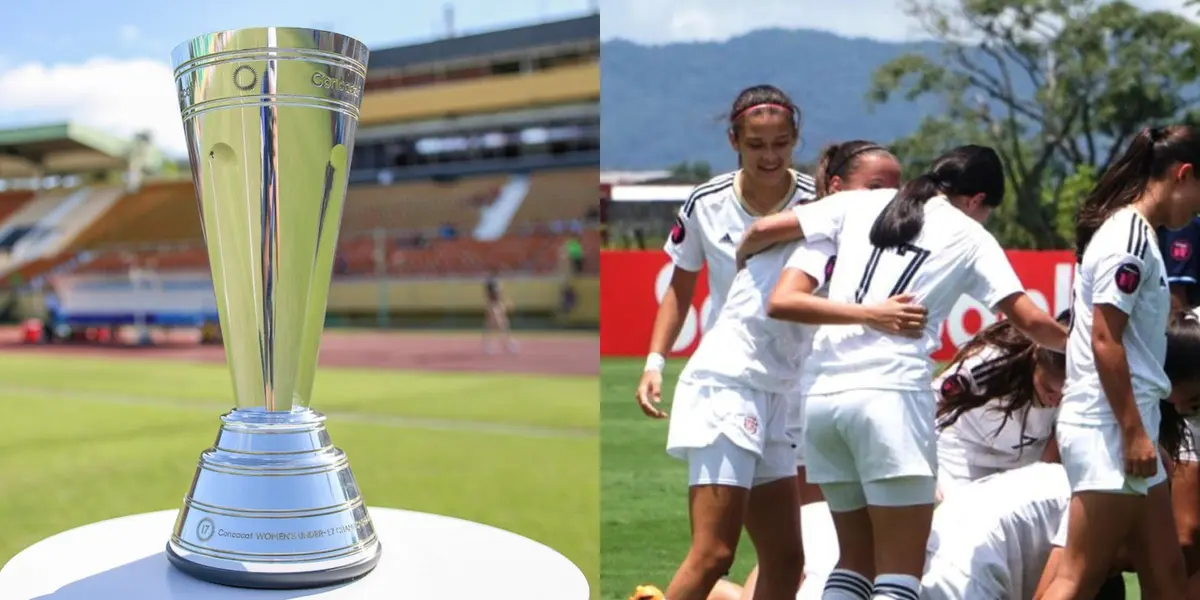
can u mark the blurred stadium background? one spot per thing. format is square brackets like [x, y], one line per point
[476, 156]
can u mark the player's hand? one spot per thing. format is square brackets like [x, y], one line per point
[649, 394]
[741, 257]
[1141, 457]
[899, 316]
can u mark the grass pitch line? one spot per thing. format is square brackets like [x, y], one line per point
[385, 420]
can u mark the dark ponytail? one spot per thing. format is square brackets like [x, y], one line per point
[1149, 155]
[841, 160]
[964, 171]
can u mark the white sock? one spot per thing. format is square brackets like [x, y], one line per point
[844, 584]
[891, 586]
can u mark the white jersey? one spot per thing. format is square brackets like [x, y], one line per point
[983, 437]
[710, 227]
[993, 537]
[953, 255]
[745, 347]
[1121, 267]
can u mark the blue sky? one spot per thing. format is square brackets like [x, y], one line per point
[61, 63]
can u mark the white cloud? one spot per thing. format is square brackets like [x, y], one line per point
[129, 33]
[667, 21]
[115, 96]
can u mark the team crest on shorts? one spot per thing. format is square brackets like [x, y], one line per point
[829, 264]
[1181, 250]
[678, 231]
[954, 385]
[751, 424]
[1128, 278]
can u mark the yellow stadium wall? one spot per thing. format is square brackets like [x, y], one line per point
[465, 296]
[576, 83]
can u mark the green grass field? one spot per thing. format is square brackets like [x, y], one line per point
[644, 519]
[90, 439]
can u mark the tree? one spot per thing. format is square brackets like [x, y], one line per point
[696, 172]
[1052, 85]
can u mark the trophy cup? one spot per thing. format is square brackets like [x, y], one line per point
[270, 115]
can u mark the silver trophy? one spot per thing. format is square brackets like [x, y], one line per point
[270, 115]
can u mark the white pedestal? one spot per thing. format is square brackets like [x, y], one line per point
[424, 556]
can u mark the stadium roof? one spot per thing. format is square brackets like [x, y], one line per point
[62, 148]
[493, 42]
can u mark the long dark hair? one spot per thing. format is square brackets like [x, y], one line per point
[1148, 157]
[1007, 377]
[963, 171]
[1183, 354]
[842, 160]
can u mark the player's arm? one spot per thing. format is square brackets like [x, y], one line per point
[687, 253]
[807, 268]
[766, 232]
[1039, 325]
[1117, 280]
[668, 321]
[685, 247]
[821, 220]
[994, 283]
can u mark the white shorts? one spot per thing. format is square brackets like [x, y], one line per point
[1093, 457]
[862, 436]
[795, 425]
[725, 463]
[821, 550]
[730, 436]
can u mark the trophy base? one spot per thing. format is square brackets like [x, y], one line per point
[241, 577]
[274, 505]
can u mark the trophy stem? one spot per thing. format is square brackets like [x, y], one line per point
[274, 505]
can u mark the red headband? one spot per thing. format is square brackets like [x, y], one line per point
[738, 114]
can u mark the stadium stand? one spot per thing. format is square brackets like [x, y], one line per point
[11, 202]
[475, 155]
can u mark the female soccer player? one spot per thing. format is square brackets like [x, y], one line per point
[870, 406]
[729, 423]
[997, 403]
[764, 127]
[1108, 421]
[852, 165]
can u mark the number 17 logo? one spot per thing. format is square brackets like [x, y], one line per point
[913, 257]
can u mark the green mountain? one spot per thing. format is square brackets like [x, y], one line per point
[661, 105]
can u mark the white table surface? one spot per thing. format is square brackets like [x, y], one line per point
[424, 556]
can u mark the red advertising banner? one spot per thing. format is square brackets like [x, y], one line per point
[633, 283]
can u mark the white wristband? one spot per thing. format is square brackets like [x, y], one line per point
[655, 362]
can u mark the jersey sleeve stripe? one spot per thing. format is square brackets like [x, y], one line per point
[806, 183]
[1138, 237]
[1143, 239]
[715, 185]
[982, 372]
